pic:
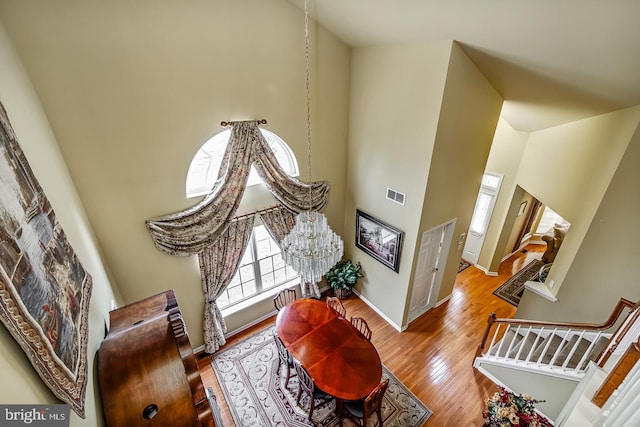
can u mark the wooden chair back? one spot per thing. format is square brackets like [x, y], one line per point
[373, 402]
[335, 304]
[306, 384]
[284, 297]
[359, 411]
[286, 361]
[361, 325]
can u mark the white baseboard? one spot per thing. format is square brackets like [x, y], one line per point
[540, 289]
[374, 308]
[443, 300]
[485, 271]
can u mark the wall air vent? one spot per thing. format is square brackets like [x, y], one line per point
[395, 196]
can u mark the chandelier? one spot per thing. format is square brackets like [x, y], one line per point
[311, 248]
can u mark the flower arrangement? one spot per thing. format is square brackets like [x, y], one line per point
[507, 409]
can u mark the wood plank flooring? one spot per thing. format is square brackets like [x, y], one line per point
[434, 356]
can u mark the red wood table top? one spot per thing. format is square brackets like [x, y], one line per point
[341, 361]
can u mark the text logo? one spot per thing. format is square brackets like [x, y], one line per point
[34, 415]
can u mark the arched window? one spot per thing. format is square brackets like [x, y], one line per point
[204, 167]
[262, 269]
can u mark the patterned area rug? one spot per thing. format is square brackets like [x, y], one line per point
[256, 395]
[463, 265]
[512, 289]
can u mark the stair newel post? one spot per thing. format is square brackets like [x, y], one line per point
[618, 374]
[490, 321]
[622, 330]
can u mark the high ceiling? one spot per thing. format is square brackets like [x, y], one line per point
[553, 61]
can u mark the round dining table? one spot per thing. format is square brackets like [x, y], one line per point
[339, 359]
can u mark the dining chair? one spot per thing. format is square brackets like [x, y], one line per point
[306, 384]
[360, 410]
[286, 360]
[284, 297]
[361, 325]
[335, 304]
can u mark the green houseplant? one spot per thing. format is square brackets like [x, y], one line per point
[342, 276]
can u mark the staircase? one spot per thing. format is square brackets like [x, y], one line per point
[563, 352]
[548, 360]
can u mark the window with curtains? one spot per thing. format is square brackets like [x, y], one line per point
[204, 166]
[261, 269]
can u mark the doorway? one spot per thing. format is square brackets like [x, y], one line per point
[482, 212]
[432, 258]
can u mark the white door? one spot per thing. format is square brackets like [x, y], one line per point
[428, 275]
[485, 203]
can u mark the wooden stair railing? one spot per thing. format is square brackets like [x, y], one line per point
[567, 328]
[617, 374]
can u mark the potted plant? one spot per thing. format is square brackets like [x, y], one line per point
[342, 276]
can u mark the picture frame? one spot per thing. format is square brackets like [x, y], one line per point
[523, 207]
[44, 289]
[378, 239]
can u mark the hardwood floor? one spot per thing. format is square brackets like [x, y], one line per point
[434, 356]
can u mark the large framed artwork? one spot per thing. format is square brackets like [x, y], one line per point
[378, 239]
[44, 290]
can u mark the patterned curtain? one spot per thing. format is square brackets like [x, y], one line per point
[295, 195]
[279, 222]
[218, 263]
[209, 230]
[190, 231]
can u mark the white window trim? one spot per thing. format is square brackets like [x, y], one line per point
[220, 141]
[258, 279]
[492, 193]
[268, 294]
[558, 219]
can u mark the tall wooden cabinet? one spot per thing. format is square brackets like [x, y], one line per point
[147, 371]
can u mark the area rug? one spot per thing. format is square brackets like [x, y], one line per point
[256, 395]
[512, 289]
[463, 265]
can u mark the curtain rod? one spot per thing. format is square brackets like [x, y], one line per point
[258, 211]
[260, 122]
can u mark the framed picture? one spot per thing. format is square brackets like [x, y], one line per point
[44, 290]
[523, 206]
[378, 239]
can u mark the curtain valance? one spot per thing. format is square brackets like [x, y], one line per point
[196, 228]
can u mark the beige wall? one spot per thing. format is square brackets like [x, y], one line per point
[569, 167]
[467, 124]
[504, 157]
[21, 383]
[421, 122]
[606, 266]
[396, 93]
[133, 89]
